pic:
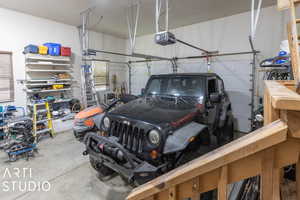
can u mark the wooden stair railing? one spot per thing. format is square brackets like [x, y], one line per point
[293, 37]
[263, 152]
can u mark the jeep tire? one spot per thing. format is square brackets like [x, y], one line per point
[226, 133]
[102, 170]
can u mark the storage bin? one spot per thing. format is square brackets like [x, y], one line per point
[56, 87]
[64, 76]
[43, 50]
[31, 49]
[66, 51]
[53, 48]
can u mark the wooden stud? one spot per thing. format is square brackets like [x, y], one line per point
[298, 179]
[283, 4]
[266, 107]
[196, 188]
[196, 197]
[276, 183]
[293, 123]
[270, 113]
[284, 116]
[173, 193]
[222, 185]
[150, 198]
[267, 172]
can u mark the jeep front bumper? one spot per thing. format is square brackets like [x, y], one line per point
[80, 131]
[107, 151]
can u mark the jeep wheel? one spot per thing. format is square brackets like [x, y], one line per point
[102, 170]
[225, 134]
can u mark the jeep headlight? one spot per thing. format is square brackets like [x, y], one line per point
[154, 137]
[106, 123]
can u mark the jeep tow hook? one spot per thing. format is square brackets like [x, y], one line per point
[85, 153]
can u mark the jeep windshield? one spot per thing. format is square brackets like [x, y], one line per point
[176, 86]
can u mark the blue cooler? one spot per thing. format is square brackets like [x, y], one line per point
[53, 48]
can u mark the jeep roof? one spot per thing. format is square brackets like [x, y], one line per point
[188, 74]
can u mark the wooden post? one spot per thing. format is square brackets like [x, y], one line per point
[150, 198]
[266, 107]
[283, 4]
[173, 193]
[267, 174]
[298, 179]
[196, 189]
[276, 183]
[270, 113]
[222, 185]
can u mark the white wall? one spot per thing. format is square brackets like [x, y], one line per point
[111, 43]
[226, 35]
[19, 30]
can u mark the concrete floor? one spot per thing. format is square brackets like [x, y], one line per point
[60, 162]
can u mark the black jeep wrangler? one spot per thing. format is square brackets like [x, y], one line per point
[164, 128]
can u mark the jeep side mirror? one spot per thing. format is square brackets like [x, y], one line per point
[142, 91]
[215, 97]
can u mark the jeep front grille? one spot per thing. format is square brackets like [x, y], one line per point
[129, 136]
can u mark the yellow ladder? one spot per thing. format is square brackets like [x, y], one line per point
[48, 120]
[293, 37]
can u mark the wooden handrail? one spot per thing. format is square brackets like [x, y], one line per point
[263, 152]
[285, 4]
[282, 97]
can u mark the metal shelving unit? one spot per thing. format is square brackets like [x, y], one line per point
[43, 72]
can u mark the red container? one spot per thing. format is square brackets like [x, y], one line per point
[66, 51]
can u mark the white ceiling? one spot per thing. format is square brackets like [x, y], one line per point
[182, 12]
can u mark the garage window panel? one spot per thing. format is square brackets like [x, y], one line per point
[6, 77]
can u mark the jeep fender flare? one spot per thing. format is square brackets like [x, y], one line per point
[179, 140]
[98, 119]
[226, 112]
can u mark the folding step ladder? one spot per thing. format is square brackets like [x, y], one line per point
[293, 38]
[48, 120]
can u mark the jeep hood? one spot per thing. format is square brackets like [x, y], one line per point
[154, 110]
